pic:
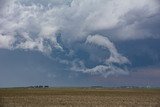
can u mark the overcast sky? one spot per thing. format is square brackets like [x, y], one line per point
[79, 42]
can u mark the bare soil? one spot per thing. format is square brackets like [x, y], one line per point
[79, 97]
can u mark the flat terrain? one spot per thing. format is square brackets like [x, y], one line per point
[79, 97]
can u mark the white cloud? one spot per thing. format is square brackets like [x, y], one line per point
[30, 26]
[81, 18]
[115, 57]
[104, 70]
[6, 41]
[87, 16]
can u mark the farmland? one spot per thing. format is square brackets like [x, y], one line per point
[79, 97]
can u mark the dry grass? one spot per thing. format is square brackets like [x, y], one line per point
[79, 98]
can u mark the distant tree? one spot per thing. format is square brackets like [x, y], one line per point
[46, 86]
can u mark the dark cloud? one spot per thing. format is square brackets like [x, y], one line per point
[141, 53]
[3, 3]
[46, 2]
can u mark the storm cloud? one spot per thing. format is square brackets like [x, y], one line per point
[64, 26]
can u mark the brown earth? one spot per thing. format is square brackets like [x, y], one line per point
[79, 97]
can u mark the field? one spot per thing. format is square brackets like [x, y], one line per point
[79, 97]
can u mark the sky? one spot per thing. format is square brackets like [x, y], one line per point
[79, 43]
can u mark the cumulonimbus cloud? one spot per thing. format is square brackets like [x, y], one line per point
[37, 26]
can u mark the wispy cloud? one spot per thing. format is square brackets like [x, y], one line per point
[115, 57]
[108, 67]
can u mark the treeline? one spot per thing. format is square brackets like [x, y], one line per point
[39, 86]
